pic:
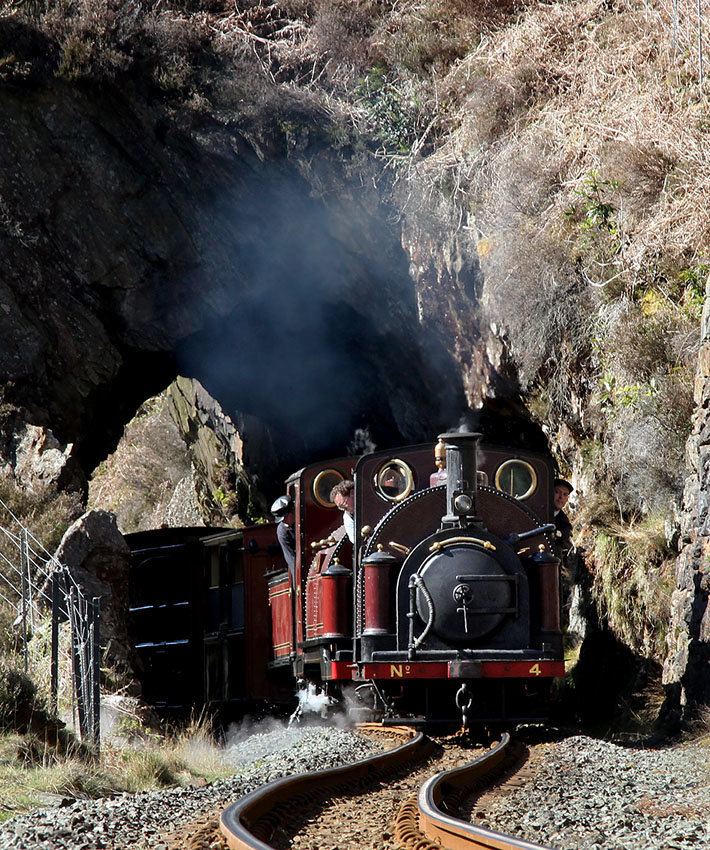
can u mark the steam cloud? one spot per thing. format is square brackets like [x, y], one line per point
[322, 340]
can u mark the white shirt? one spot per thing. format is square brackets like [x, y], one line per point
[349, 525]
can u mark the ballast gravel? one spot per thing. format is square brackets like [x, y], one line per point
[139, 820]
[580, 794]
[586, 794]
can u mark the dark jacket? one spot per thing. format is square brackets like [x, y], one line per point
[564, 527]
[287, 538]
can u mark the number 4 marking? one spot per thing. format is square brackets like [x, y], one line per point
[535, 670]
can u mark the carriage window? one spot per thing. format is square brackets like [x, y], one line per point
[516, 478]
[394, 481]
[324, 483]
[214, 567]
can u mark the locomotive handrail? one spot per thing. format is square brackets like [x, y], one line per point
[416, 582]
[326, 541]
[439, 544]
[533, 532]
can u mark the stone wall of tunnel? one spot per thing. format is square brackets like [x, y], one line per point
[138, 249]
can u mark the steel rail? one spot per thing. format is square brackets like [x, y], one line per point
[442, 830]
[249, 823]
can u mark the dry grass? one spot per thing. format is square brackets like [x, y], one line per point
[633, 583]
[30, 769]
[604, 91]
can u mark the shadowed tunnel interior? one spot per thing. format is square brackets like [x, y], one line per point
[315, 371]
[312, 327]
[325, 337]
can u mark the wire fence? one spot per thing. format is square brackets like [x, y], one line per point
[42, 595]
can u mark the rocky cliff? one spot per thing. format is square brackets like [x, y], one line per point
[134, 249]
[343, 215]
[688, 638]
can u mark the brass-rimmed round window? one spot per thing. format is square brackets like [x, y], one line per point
[516, 478]
[323, 483]
[394, 480]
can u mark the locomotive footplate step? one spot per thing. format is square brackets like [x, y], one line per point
[407, 721]
[453, 655]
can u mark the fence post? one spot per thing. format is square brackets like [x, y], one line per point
[54, 661]
[85, 652]
[74, 615]
[96, 674]
[24, 576]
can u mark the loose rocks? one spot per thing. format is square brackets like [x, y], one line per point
[139, 820]
[594, 795]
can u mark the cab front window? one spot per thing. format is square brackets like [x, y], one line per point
[394, 480]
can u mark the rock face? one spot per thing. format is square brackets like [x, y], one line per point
[686, 672]
[222, 462]
[183, 462]
[262, 277]
[98, 559]
[36, 461]
[148, 481]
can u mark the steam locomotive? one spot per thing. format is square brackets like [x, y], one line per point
[446, 606]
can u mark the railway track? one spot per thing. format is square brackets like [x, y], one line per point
[255, 819]
[425, 821]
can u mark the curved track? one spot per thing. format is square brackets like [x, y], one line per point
[249, 823]
[425, 821]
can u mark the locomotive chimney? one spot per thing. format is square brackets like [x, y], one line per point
[461, 468]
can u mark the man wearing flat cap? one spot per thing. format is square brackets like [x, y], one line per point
[562, 492]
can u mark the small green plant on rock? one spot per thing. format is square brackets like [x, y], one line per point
[595, 235]
[693, 280]
[614, 393]
[595, 211]
[391, 111]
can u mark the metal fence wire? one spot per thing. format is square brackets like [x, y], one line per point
[41, 592]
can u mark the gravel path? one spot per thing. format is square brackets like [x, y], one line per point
[138, 820]
[586, 794]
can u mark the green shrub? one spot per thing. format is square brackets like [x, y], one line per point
[392, 110]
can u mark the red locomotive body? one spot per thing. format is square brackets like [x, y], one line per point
[447, 603]
[455, 584]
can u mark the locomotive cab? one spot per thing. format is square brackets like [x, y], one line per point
[311, 611]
